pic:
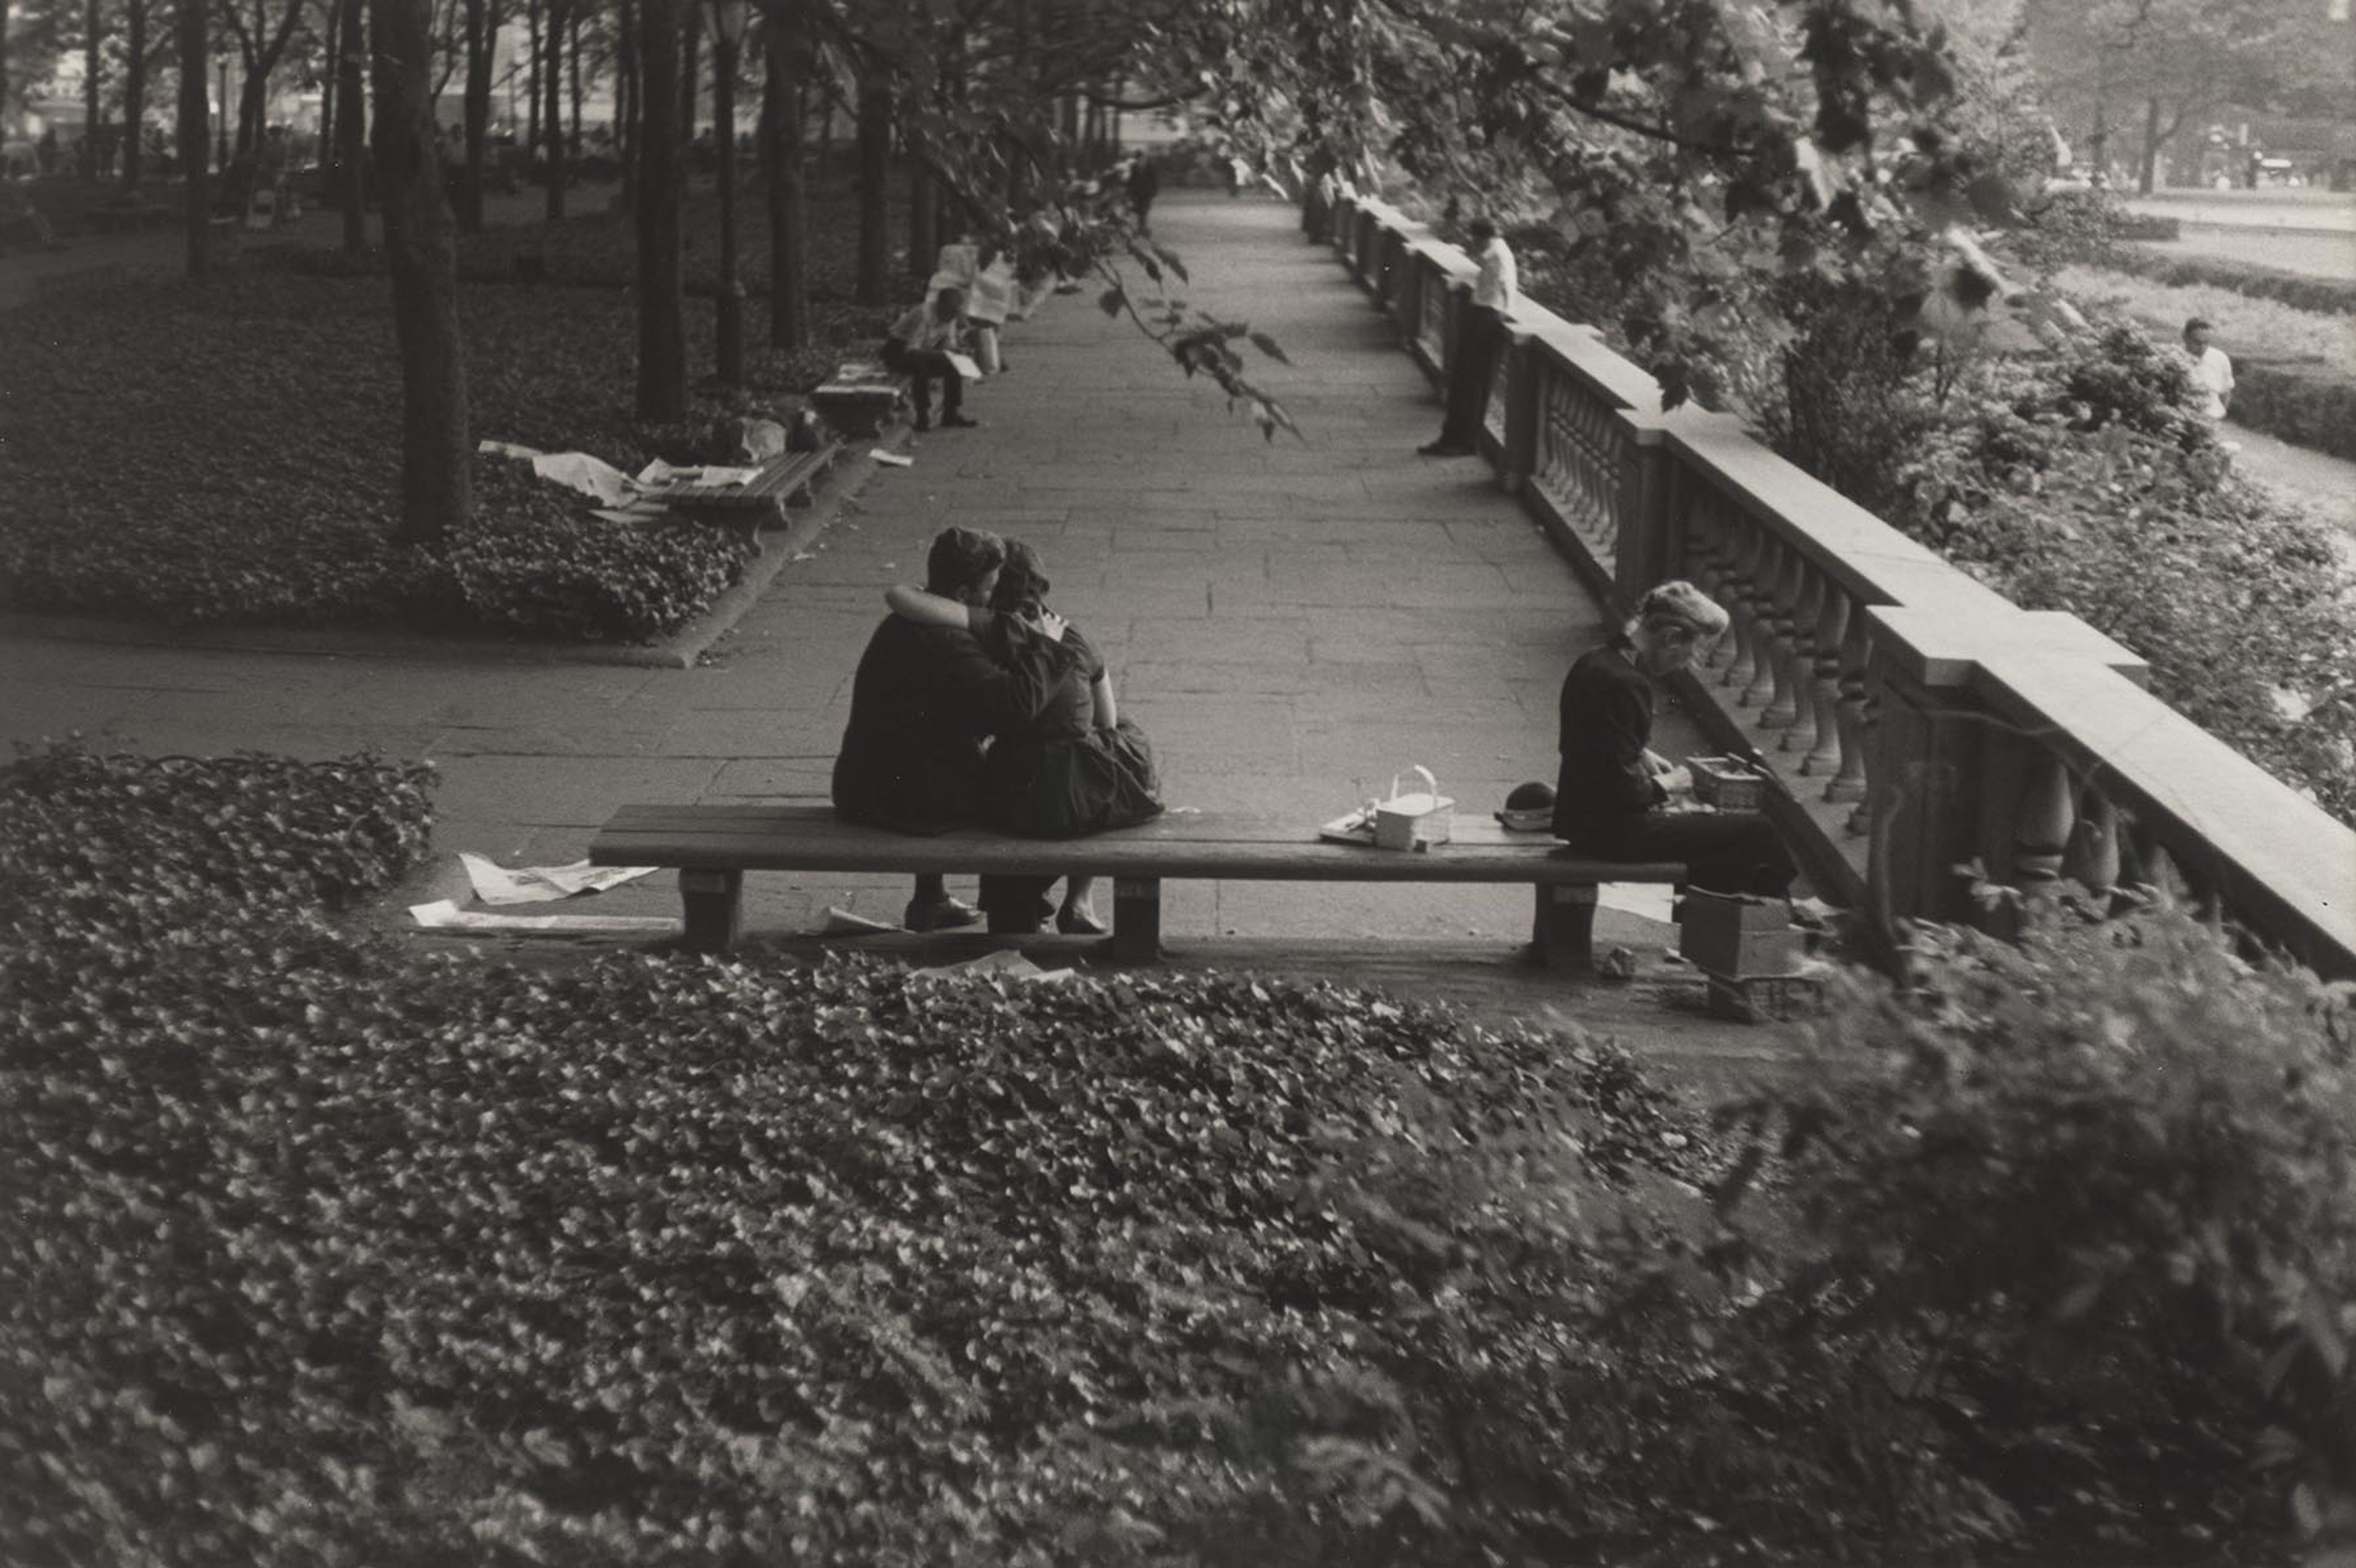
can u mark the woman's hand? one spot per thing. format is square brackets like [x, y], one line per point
[1046, 623]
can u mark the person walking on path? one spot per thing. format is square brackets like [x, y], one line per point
[1144, 182]
[2213, 368]
[924, 701]
[1611, 795]
[919, 347]
[1078, 767]
[1480, 342]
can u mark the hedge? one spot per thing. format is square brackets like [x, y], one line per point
[2329, 295]
[320, 1253]
[2307, 405]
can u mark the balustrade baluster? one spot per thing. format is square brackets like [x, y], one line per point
[2092, 859]
[1743, 548]
[1849, 781]
[1824, 679]
[2042, 833]
[1795, 622]
[1707, 556]
[1759, 593]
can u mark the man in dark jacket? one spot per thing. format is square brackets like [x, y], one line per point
[923, 702]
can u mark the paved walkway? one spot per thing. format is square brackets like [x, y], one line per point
[1290, 623]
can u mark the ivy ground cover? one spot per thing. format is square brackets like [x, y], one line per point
[227, 450]
[319, 1252]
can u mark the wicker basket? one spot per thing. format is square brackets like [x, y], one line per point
[1726, 782]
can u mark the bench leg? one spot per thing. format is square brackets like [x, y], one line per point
[1136, 919]
[712, 901]
[1563, 935]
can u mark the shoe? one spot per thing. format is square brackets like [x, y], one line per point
[1444, 449]
[1074, 920]
[938, 914]
[960, 422]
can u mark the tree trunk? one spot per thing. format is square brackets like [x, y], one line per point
[531, 12]
[2148, 166]
[874, 170]
[573, 53]
[5, 8]
[626, 94]
[691, 69]
[90, 61]
[662, 326]
[252, 109]
[195, 56]
[331, 51]
[420, 246]
[351, 128]
[786, 48]
[552, 118]
[134, 90]
[924, 222]
[475, 115]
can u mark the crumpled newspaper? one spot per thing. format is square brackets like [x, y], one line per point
[444, 915]
[495, 884]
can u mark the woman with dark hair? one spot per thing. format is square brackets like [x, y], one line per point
[1609, 795]
[1078, 767]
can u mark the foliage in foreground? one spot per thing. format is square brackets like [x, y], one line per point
[317, 1254]
[2099, 1189]
[250, 474]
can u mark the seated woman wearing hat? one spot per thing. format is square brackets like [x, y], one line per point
[1611, 789]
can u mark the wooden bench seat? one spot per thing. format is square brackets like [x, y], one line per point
[714, 846]
[861, 403]
[782, 480]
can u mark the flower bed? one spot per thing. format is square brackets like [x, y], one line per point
[318, 1253]
[227, 450]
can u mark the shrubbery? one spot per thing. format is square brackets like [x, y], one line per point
[2086, 480]
[252, 477]
[2094, 1195]
[2325, 295]
[317, 1253]
[2311, 406]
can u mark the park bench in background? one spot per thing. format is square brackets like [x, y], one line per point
[131, 213]
[746, 505]
[860, 398]
[714, 846]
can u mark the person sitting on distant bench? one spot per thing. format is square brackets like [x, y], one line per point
[919, 347]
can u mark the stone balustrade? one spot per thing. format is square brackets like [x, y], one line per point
[1926, 729]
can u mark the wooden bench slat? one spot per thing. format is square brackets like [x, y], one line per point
[712, 846]
[1211, 845]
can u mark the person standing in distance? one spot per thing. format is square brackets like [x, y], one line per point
[2213, 368]
[1482, 340]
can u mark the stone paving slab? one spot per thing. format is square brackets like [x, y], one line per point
[1290, 621]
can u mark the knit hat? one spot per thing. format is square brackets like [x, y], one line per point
[1680, 602]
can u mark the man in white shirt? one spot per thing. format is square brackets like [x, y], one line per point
[919, 347]
[1480, 343]
[2212, 371]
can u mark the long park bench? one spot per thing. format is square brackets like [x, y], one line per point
[748, 504]
[714, 846]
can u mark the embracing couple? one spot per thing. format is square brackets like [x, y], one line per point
[975, 704]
